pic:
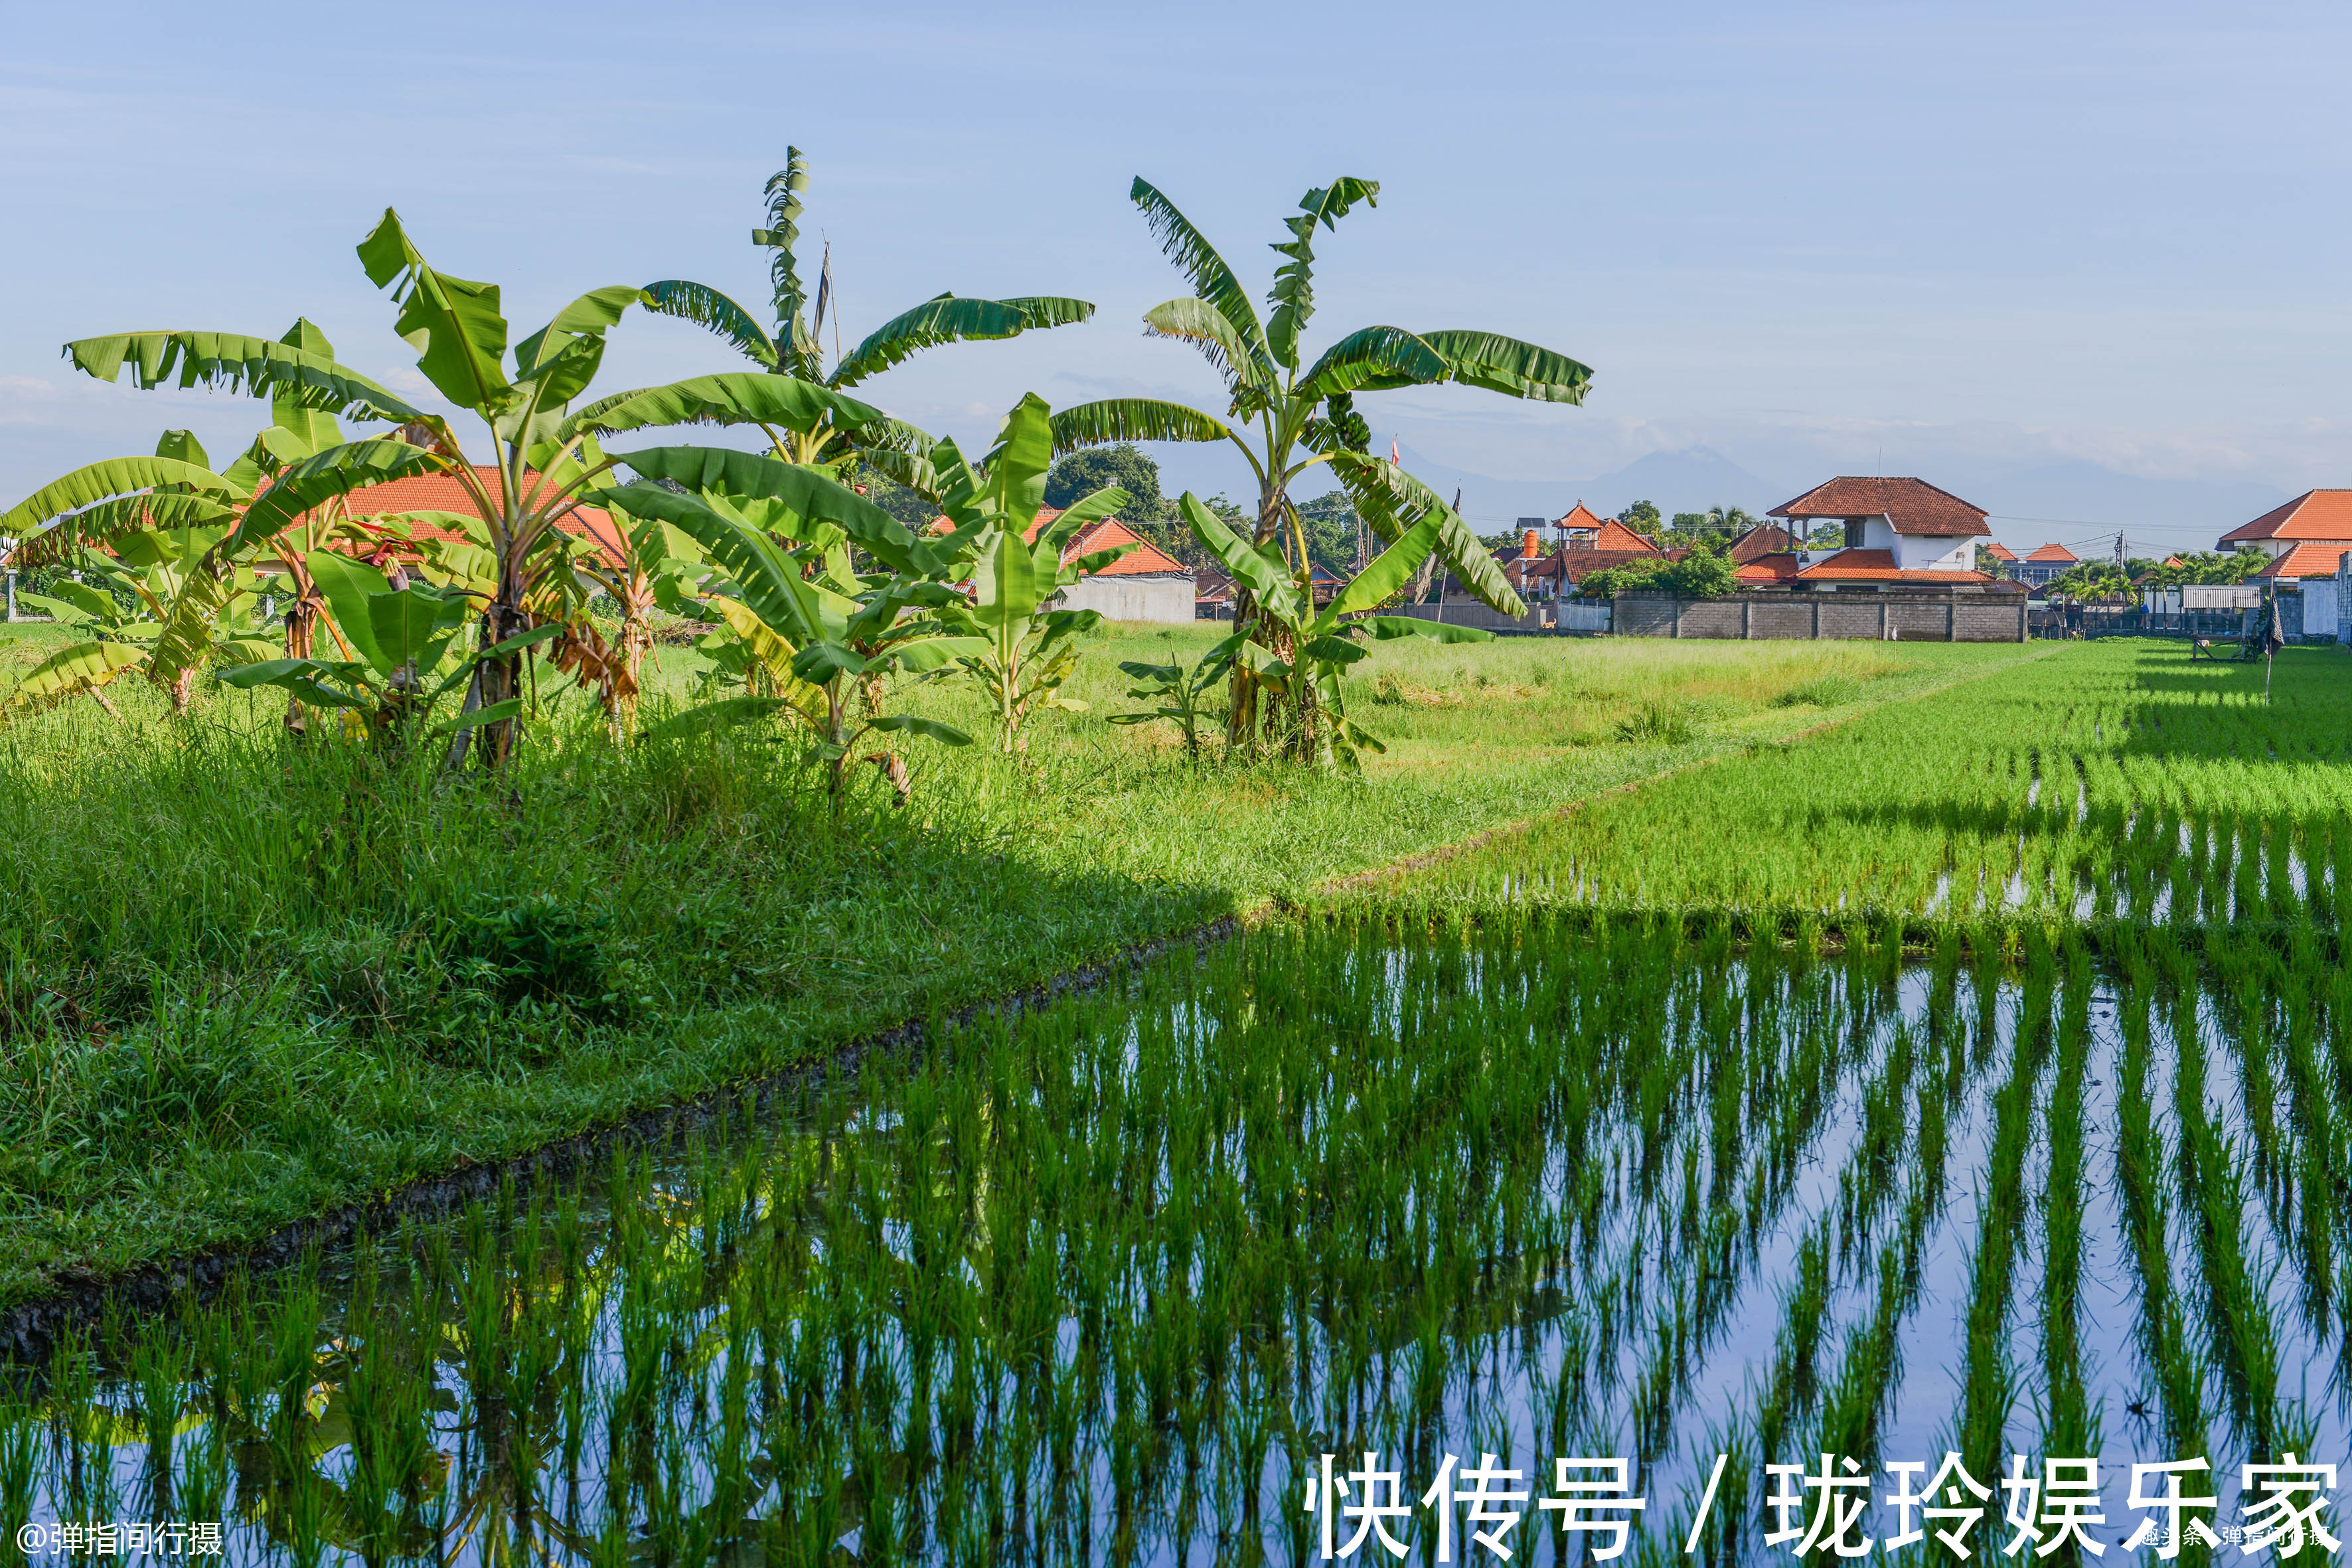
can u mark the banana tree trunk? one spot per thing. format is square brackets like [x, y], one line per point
[497, 679]
[636, 638]
[1241, 722]
[302, 631]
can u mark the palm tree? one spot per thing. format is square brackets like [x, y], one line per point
[795, 347]
[1285, 419]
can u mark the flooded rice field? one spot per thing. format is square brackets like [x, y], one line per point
[1141, 1277]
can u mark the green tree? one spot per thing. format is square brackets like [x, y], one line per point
[1076, 475]
[1701, 575]
[1287, 416]
[1331, 527]
[1642, 517]
[795, 346]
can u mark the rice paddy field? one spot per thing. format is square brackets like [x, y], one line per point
[1967, 1079]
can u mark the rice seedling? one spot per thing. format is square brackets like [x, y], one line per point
[1662, 1159]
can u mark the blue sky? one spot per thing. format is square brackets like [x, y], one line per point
[1961, 241]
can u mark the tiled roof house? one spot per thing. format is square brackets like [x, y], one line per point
[1898, 531]
[1147, 584]
[2045, 563]
[2304, 538]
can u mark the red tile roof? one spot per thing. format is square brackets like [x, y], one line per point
[1878, 566]
[1763, 539]
[1582, 516]
[1576, 565]
[1777, 567]
[1999, 552]
[444, 492]
[2316, 558]
[1146, 560]
[2314, 514]
[1610, 534]
[1913, 506]
[2054, 552]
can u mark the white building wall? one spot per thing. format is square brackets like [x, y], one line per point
[1940, 553]
[2322, 607]
[1164, 597]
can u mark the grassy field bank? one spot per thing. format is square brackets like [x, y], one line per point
[242, 981]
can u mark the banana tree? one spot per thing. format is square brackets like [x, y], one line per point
[743, 510]
[796, 348]
[107, 503]
[1286, 418]
[545, 459]
[1301, 654]
[182, 618]
[402, 637]
[1021, 651]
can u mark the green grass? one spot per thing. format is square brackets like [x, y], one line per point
[242, 981]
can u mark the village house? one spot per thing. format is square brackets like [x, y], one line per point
[2304, 538]
[1898, 532]
[1587, 543]
[2003, 559]
[2036, 570]
[1145, 585]
[2306, 541]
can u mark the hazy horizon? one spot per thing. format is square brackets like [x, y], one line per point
[1973, 245]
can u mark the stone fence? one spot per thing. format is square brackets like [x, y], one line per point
[1954, 615]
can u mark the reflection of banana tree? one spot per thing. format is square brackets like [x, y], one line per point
[1302, 660]
[401, 638]
[184, 615]
[836, 640]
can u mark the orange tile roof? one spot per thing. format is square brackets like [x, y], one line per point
[2054, 552]
[2316, 558]
[1764, 539]
[1613, 535]
[2000, 551]
[1582, 516]
[2314, 514]
[1146, 560]
[1777, 567]
[1878, 566]
[444, 492]
[1911, 506]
